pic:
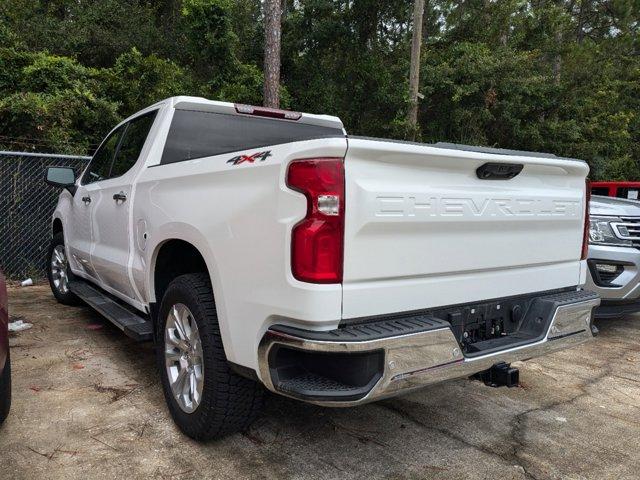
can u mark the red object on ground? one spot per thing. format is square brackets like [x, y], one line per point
[629, 190]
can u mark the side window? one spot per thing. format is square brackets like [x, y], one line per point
[100, 165]
[132, 143]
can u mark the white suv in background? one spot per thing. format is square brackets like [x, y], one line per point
[614, 255]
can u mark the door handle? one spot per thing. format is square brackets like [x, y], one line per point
[86, 200]
[120, 197]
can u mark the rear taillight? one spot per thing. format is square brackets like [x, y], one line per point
[585, 236]
[317, 240]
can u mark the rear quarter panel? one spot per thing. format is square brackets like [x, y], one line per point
[240, 218]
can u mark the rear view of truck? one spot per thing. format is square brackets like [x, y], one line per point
[452, 260]
[264, 247]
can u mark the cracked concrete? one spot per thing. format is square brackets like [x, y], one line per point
[87, 404]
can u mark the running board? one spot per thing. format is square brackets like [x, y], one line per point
[132, 324]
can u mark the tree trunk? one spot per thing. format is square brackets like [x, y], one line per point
[557, 59]
[272, 28]
[583, 9]
[414, 72]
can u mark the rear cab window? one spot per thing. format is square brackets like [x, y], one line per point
[196, 134]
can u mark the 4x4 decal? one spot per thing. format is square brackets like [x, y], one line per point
[262, 156]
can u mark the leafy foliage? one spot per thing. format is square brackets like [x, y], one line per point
[137, 81]
[51, 103]
[560, 76]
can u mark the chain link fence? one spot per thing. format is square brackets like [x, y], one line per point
[26, 207]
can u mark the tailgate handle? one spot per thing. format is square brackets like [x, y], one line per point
[498, 171]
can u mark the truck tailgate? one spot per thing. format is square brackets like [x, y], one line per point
[423, 230]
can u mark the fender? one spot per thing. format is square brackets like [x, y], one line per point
[189, 234]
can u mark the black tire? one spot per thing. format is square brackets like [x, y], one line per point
[66, 298]
[5, 390]
[229, 402]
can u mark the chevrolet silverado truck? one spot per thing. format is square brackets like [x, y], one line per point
[267, 248]
[614, 258]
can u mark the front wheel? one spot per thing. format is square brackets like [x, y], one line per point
[206, 398]
[58, 271]
[5, 390]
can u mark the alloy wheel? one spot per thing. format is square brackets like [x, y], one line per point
[183, 357]
[59, 269]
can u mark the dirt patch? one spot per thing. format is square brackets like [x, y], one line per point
[116, 393]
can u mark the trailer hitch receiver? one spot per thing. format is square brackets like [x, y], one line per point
[500, 375]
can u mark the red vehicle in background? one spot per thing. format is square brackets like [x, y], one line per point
[5, 362]
[628, 190]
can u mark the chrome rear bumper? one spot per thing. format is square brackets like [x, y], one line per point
[419, 359]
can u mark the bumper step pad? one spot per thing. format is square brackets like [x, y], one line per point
[313, 385]
[366, 332]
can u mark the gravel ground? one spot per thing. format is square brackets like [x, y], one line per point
[87, 404]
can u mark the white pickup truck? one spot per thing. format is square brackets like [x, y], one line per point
[261, 247]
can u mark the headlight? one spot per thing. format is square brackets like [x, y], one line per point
[601, 232]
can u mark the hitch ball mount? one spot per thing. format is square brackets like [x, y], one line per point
[500, 375]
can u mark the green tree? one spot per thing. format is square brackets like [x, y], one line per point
[52, 104]
[552, 75]
[137, 81]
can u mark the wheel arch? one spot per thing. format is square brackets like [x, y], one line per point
[57, 226]
[190, 240]
[174, 257]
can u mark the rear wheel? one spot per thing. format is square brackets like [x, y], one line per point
[58, 271]
[5, 390]
[205, 397]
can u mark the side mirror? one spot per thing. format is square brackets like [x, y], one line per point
[61, 177]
